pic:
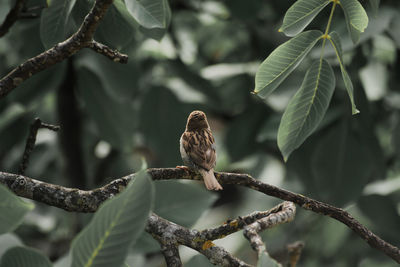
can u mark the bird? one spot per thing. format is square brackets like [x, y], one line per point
[197, 148]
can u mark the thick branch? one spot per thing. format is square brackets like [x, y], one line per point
[79, 40]
[12, 17]
[217, 255]
[169, 248]
[88, 201]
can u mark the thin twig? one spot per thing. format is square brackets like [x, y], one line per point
[108, 52]
[12, 17]
[83, 38]
[31, 140]
[88, 201]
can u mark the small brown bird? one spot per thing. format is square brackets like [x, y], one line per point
[197, 148]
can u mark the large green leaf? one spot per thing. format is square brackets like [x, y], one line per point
[150, 13]
[356, 18]
[182, 203]
[341, 165]
[53, 23]
[300, 14]
[12, 210]
[115, 226]
[8, 241]
[337, 46]
[120, 81]
[307, 108]
[24, 257]
[283, 60]
[113, 117]
[117, 17]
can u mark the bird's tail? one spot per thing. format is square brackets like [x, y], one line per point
[209, 180]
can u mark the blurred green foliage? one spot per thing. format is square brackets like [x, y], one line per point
[204, 55]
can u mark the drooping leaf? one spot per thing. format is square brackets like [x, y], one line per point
[117, 17]
[283, 60]
[12, 210]
[120, 81]
[356, 18]
[307, 107]
[341, 165]
[53, 23]
[337, 46]
[264, 260]
[24, 257]
[115, 226]
[183, 208]
[113, 117]
[300, 14]
[150, 13]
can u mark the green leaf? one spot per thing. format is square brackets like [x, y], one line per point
[12, 210]
[8, 241]
[341, 165]
[150, 13]
[307, 107]
[264, 260]
[117, 17]
[181, 203]
[120, 81]
[283, 60]
[300, 14]
[337, 46]
[53, 22]
[356, 18]
[24, 257]
[112, 117]
[115, 226]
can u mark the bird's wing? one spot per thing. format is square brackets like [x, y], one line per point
[200, 147]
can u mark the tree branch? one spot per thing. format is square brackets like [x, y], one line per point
[12, 17]
[169, 248]
[217, 255]
[83, 38]
[286, 214]
[88, 201]
[108, 52]
[31, 140]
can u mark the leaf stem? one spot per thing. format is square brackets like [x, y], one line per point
[328, 26]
